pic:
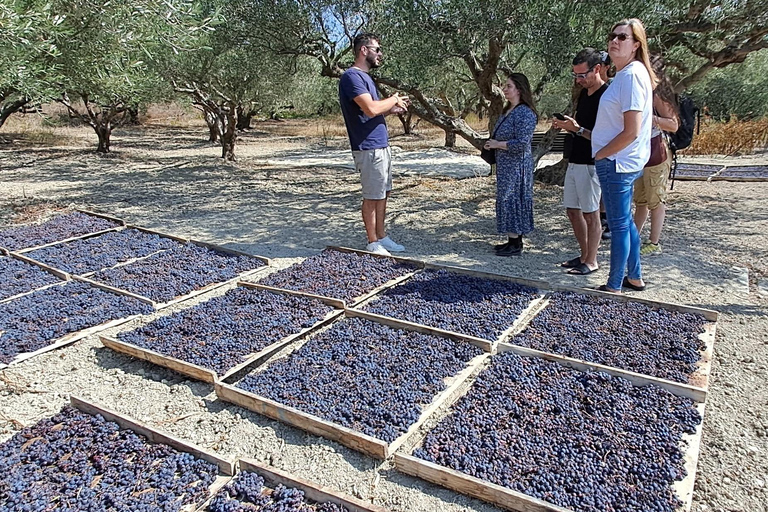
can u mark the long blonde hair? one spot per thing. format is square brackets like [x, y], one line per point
[642, 54]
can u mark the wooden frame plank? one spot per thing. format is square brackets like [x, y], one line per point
[692, 446]
[118, 291]
[709, 314]
[314, 492]
[281, 344]
[417, 263]
[227, 467]
[72, 337]
[471, 486]
[51, 270]
[185, 368]
[367, 444]
[696, 394]
[357, 441]
[485, 345]
[205, 374]
[71, 239]
[102, 216]
[456, 388]
[331, 301]
[525, 317]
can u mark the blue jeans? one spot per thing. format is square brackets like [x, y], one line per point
[625, 240]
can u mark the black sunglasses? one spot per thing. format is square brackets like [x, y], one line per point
[375, 49]
[620, 37]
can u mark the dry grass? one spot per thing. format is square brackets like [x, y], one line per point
[731, 138]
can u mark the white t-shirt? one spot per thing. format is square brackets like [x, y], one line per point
[631, 89]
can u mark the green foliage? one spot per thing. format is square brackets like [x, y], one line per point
[740, 90]
[27, 50]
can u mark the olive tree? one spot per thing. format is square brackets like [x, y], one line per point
[106, 55]
[27, 54]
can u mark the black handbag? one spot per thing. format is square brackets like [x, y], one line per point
[489, 155]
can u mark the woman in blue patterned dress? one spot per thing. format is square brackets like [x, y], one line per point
[514, 164]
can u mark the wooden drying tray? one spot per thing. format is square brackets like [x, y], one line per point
[364, 443]
[226, 467]
[512, 500]
[205, 374]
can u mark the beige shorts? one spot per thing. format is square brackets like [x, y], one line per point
[651, 187]
[375, 168]
[581, 188]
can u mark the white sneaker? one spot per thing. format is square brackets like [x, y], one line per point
[391, 245]
[377, 248]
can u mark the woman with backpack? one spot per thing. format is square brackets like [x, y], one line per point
[621, 147]
[651, 189]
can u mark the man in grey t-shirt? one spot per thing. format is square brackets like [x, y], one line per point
[364, 118]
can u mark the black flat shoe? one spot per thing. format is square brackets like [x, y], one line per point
[626, 284]
[501, 247]
[515, 248]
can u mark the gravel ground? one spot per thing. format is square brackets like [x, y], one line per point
[715, 256]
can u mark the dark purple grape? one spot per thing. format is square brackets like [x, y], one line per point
[20, 277]
[101, 252]
[462, 303]
[627, 335]
[220, 333]
[78, 462]
[177, 271]
[34, 321]
[337, 274]
[58, 228]
[585, 441]
[364, 375]
[247, 493]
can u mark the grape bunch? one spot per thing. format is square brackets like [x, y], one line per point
[101, 252]
[626, 335]
[363, 375]
[20, 277]
[34, 321]
[177, 271]
[461, 303]
[76, 462]
[585, 441]
[59, 228]
[338, 274]
[220, 333]
[247, 493]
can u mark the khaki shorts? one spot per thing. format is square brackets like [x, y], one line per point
[375, 168]
[651, 187]
[581, 188]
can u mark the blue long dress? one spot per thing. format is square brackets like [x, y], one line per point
[514, 171]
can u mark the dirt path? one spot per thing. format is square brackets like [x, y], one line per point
[715, 256]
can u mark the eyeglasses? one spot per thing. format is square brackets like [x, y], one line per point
[582, 76]
[620, 37]
[375, 49]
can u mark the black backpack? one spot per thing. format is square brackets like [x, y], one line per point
[689, 119]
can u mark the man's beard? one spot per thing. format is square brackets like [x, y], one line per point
[373, 61]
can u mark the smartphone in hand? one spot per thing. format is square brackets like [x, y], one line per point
[558, 116]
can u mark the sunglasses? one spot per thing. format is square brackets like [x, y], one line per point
[375, 49]
[620, 37]
[582, 76]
